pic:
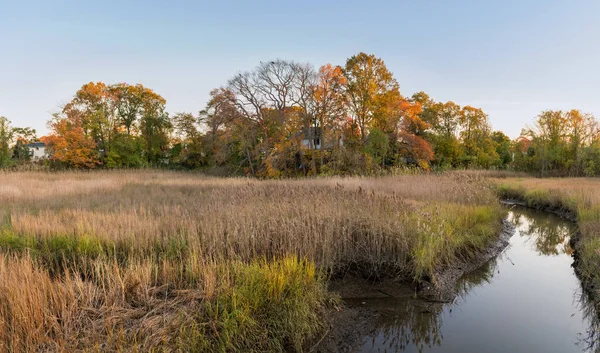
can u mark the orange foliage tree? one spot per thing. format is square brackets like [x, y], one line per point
[413, 128]
[69, 145]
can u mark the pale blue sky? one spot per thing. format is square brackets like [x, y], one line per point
[511, 58]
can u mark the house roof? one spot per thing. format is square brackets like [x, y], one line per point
[35, 144]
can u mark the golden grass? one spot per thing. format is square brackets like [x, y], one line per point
[331, 221]
[139, 259]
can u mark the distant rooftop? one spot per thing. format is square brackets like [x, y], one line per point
[35, 144]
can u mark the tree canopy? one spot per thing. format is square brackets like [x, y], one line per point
[285, 118]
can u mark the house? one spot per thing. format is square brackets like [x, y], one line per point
[37, 150]
[311, 137]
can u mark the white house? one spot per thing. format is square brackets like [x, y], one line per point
[37, 150]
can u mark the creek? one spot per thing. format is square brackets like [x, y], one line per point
[527, 299]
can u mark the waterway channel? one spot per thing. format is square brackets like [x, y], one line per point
[528, 299]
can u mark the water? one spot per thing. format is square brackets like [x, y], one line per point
[528, 299]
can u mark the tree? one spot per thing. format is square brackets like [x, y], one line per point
[22, 137]
[377, 146]
[548, 138]
[304, 83]
[582, 128]
[128, 102]
[412, 122]
[448, 119]
[475, 127]
[107, 112]
[413, 146]
[94, 105]
[330, 101]
[186, 126]
[69, 145]
[371, 87]
[125, 152]
[444, 119]
[188, 150]
[416, 150]
[503, 147]
[430, 110]
[154, 126]
[219, 114]
[248, 99]
[275, 100]
[6, 137]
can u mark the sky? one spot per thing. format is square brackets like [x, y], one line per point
[513, 59]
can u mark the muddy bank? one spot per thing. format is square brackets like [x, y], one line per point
[357, 319]
[444, 288]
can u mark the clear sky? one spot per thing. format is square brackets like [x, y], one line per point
[511, 58]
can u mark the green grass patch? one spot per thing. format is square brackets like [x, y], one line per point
[268, 306]
[59, 252]
[452, 232]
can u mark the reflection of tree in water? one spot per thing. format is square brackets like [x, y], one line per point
[477, 278]
[417, 322]
[590, 340]
[414, 323]
[550, 235]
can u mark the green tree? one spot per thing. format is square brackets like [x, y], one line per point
[126, 152]
[503, 147]
[377, 146]
[444, 119]
[475, 128]
[129, 100]
[548, 138]
[22, 137]
[155, 127]
[188, 150]
[6, 138]
[93, 105]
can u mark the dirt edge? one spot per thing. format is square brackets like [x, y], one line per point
[444, 289]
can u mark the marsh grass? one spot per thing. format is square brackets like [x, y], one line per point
[258, 306]
[178, 261]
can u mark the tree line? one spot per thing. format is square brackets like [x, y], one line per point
[285, 118]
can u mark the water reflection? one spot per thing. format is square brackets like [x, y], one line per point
[549, 234]
[479, 277]
[526, 300]
[416, 324]
[590, 341]
[405, 323]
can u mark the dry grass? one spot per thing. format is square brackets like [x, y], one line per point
[133, 260]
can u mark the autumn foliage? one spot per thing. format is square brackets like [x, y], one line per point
[70, 145]
[285, 118]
